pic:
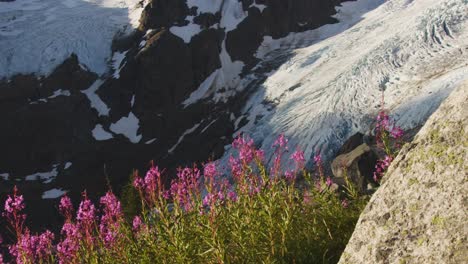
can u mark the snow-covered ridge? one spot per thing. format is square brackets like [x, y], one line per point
[38, 35]
[331, 87]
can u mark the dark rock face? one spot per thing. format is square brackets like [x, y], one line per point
[278, 19]
[163, 13]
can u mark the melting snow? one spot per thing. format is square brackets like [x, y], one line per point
[127, 126]
[67, 165]
[186, 32]
[260, 7]
[46, 177]
[53, 193]
[59, 93]
[117, 59]
[95, 100]
[5, 176]
[202, 89]
[205, 6]
[150, 141]
[188, 131]
[100, 134]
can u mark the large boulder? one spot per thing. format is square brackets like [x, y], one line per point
[419, 213]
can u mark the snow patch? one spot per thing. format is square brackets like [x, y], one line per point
[67, 165]
[127, 126]
[233, 13]
[95, 100]
[117, 59]
[5, 176]
[46, 177]
[100, 134]
[181, 138]
[186, 32]
[59, 93]
[205, 6]
[150, 141]
[202, 89]
[53, 193]
[259, 6]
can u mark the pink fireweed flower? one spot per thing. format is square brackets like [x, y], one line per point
[298, 157]
[232, 196]
[329, 182]
[44, 245]
[344, 203]
[208, 200]
[14, 204]
[66, 207]
[318, 159]
[210, 171]
[236, 167]
[86, 217]
[111, 219]
[319, 164]
[185, 187]
[152, 180]
[32, 248]
[381, 167]
[396, 132]
[67, 249]
[137, 224]
[1, 259]
[290, 175]
[281, 142]
[260, 155]
[139, 183]
[86, 211]
[246, 149]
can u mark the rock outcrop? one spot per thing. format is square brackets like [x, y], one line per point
[419, 213]
[357, 159]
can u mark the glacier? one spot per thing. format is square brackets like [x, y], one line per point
[412, 52]
[38, 35]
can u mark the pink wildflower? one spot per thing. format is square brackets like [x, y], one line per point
[66, 207]
[14, 204]
[136, 224]
[236, 167]
[344, 203]
[232, 196]
[210, 170]
[298, 157]
[281, 142]
[329, 182]
[86, 217]
[111, 219]
[68, 248]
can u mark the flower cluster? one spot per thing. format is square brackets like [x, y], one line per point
[192, 220]
[32, 247]
[388, 136]
[111, 219]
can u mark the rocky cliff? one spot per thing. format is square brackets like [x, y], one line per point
[419, 213]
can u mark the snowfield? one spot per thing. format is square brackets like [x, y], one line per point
[38, 35]
[331, 85]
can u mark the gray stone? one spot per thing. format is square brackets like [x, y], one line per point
[419, 214]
